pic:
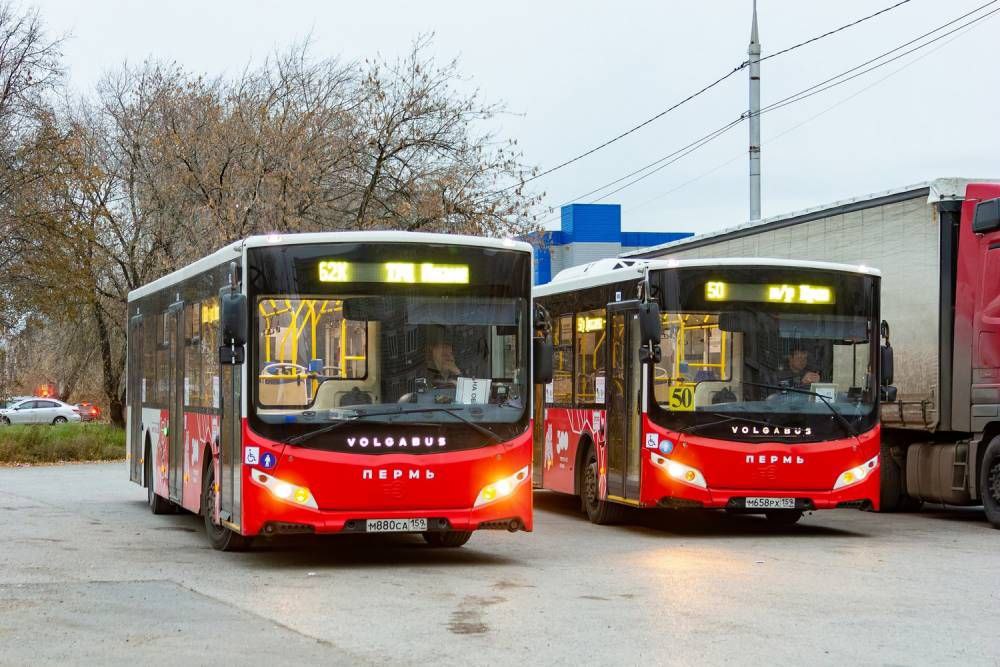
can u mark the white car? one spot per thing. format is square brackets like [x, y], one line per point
[39, 411]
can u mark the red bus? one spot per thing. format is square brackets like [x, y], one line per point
[748, 385]
[337, 382]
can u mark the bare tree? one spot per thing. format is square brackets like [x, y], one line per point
[162, 166]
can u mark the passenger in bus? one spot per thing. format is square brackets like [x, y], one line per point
[798, 372]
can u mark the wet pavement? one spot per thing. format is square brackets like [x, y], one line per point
[88, 575]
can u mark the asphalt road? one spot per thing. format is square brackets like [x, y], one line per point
[88, 575]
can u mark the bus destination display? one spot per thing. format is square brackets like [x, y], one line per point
[333, 271]
[717, 290]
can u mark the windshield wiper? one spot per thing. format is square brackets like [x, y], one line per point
[294, 440]
[840, 418]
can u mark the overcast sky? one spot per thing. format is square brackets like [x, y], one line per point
[574, 74]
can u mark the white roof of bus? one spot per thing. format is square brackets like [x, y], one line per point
[607, 271]
[234, 250]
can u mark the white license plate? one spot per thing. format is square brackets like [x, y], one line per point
[395, 525]
[770, 503]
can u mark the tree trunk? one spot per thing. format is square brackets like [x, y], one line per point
[111, 375]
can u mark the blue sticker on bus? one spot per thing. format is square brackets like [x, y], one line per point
[268, 460]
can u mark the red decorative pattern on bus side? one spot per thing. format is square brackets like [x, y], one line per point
[564, 429]
[200, 430]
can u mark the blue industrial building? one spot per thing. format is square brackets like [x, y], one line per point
[589, 232]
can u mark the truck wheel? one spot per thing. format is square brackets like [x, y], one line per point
[219, 536]
[892, 493]
[157, 504]
[989, 482]
[447, 539]
[601, 512]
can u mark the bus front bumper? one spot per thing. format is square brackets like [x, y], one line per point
[863, 495]
[513, 514]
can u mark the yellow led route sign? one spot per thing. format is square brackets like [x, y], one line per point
[717, 290]
[429, 273]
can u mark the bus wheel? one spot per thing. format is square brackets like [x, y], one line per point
[989, 483]
[219, 536]
[448, 539]
[157, 504]
[783, 517]
[598, 511]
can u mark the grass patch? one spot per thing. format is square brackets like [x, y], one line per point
[63, 442]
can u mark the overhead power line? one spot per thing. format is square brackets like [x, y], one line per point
[840, 78]
[793, 128]
[809, 91]
[696, 94]
[833, 32]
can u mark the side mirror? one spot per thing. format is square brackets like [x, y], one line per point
[886, 365]
[987, 217]
[650, 327]
[542, 360]
[888, 394]
[233, 326]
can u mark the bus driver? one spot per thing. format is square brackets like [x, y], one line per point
[797, 372]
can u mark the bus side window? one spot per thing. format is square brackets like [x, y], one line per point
[590, 339]
[562, 340]
[192, 356]
[210, 391]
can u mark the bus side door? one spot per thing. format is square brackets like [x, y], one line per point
[623, 402]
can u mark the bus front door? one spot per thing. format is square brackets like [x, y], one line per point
[623, 404]
[175, 401]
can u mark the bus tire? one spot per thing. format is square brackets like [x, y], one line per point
[601, 512]
[989, 482]
[157, 504]
[783, 517]
[449, 539]
[219, 536]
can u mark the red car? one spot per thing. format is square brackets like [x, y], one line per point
[88, 411]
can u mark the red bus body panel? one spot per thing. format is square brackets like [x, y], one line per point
[732, 469]
[382, 486]
[735, 469]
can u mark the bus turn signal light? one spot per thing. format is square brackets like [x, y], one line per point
[285, 491]
[857, 473]
[501, 488]
[679, 471]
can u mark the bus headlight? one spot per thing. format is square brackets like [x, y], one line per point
[679, 471]
[284, 491]
[501, 488]
[857, 473]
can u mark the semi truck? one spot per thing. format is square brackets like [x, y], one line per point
[937, 245]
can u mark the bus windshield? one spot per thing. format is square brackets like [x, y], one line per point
[353, 344]
[767, 352]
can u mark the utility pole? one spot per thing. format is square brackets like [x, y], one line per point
[754, 61]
